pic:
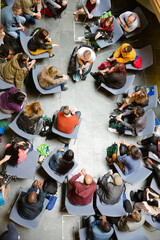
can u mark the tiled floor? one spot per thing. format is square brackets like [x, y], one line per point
[96, 106]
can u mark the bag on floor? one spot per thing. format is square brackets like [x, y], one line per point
[52, 201]
[50, 186]
[137, 62]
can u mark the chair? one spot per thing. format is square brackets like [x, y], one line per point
[5, 115]
[24, 43]
[137, 234]
[115, 210]
[83, 233]
[4, 85]
[152, 99]
[149, 128]
[151, 155]
[146, 54]
[137, 176]
[72, 135]
[143, 21]
[25, 169]
[154, 186]
[10, 2]
[117, 34]
[52, 173]
[104, 6]
[13, 125]
[35, 73]
[14, 216]
[79, 210]
[124, 89]
[151, 222]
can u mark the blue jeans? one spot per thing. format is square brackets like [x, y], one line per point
[29, 18]
[84, 70]
[62, 84]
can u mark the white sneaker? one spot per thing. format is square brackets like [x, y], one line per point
[112, 130]
[80, 39]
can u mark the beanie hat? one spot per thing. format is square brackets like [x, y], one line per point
[117, 179]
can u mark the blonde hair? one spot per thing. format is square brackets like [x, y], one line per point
[33, 109]
[141, 97]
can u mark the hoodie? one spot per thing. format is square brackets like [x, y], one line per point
[81, 194]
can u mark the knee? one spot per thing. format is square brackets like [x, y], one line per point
[81, 11]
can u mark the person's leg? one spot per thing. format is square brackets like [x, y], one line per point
[156, 172]
[52, 9]
[13, 34]
[22, 20]
[60, 10]
[121, 165]
[6, 193]
[29, 18]
[40, 51]
[146, 141]
[78, 113]
[79, 12]
[62, 84]
[153, 149]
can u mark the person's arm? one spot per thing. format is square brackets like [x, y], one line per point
[79, 60]
[106, 176]
[84, 2]
[119, 118]
[97, 4]
[41, 196]
[117, 53]
[121, 18]
[94, 223]
[5, 159]
[151, 193]
[30, 64]
[72, 181]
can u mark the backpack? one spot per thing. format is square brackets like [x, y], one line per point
[50, 186]
[52, 201]
[156, 218]
[137, 62]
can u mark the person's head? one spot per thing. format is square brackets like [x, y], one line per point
[66, 110]
[23, 58]
[127, 49]
[86, 55]
[33, 109]
[69, 155]
[139, 111]
[117, 180]
[87, 180]
[133, 151]
[43, 33]
[53, 71]
[141, 96]
[108, 21]
[120, 67]
[32, 197]
[136, 216]
[131, 18]
[17, 10]
[106, 227]
[16, 97]
[92, 1]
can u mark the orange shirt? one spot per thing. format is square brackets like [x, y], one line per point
[66, 124]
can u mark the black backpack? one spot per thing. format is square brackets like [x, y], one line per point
[50, 186]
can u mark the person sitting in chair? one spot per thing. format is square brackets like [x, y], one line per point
[132, 222]
[98, 228]
[129, 21]
[41, 42]
[138, 98]
[136, 121]
[30, 120]
[31, 9]
[62, 161]
[11, 233]
[30, 204]
[56, 7]
[89, 7]
[85, 57]
[81, 193]
[67, 119]
[110, 192]
[4, 190]
[50, 77]
[125, 54]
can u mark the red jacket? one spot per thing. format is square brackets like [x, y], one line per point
[66, 124]
[81, 194]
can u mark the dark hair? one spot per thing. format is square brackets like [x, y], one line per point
[106, 227]
[69, 155]
[1, 26]
[16, 97]
[16, 7]
[13, 150]
[109, 20]
[43, 33]
[140, 111]
[22, 57]
[134, 151]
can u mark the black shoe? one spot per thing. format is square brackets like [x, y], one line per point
[119, 104]
[132, 196]
[94, 75]
[83, 78]
[65, 89]
[51, 56]
[117, 111]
